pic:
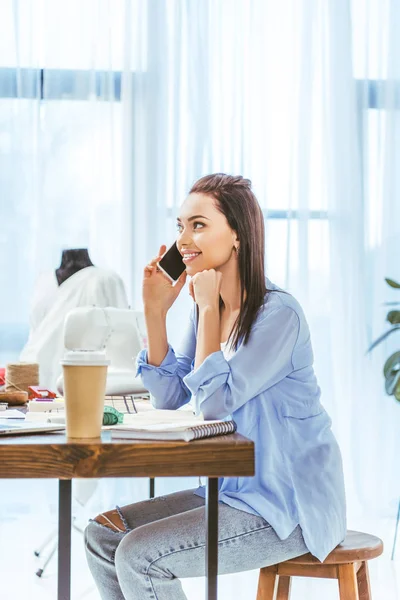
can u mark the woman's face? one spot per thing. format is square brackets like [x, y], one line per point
[205, 239]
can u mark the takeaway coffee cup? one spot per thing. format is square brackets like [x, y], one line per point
[85, 376]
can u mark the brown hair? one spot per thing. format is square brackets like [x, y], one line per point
[235, 199]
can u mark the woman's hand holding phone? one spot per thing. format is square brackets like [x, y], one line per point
[157, 291]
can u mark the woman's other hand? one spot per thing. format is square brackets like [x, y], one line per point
[205, 288]
[157, 291]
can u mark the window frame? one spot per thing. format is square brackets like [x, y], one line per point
[30, 83]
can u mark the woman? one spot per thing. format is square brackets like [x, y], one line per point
[246, 354]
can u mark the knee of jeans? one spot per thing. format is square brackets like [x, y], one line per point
[91, 534]
[99, 539]
[134, 551]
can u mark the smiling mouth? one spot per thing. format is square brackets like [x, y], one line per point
[190, 257]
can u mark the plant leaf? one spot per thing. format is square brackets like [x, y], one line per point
[392, 364]
[392, 382]
[393, 317]
[382, 337]
[392, 283]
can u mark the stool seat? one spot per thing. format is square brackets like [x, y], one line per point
[357, 546]
[347, 563]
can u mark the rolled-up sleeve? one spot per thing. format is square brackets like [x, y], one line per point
[165, 382]
[220, 387]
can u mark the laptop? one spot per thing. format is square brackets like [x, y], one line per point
[23, 427]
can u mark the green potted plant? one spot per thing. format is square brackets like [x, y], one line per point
[391, 370]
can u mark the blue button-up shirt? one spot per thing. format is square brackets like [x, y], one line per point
[269, 388]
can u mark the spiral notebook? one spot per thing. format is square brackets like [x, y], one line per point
[186, 432]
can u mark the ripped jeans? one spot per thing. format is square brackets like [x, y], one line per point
[164, 540]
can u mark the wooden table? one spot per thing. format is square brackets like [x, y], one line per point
[52, 456]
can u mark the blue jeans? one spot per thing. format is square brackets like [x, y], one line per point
[165, 540]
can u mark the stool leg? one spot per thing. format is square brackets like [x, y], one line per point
[284, 585]
[364, 589]
[267, 584]
[348, 589]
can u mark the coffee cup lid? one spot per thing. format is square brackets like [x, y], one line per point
[86, 358]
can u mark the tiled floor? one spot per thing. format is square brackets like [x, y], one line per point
[19, 537]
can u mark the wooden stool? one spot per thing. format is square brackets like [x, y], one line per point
[348, 563]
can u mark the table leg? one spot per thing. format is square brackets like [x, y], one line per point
[211, 538]
[64, 539]
[151, 487]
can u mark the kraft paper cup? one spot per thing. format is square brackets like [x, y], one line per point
[85, 375]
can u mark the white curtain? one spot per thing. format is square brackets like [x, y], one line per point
[60, 145]
[146, 96]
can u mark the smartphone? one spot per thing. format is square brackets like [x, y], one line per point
[172, 264]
